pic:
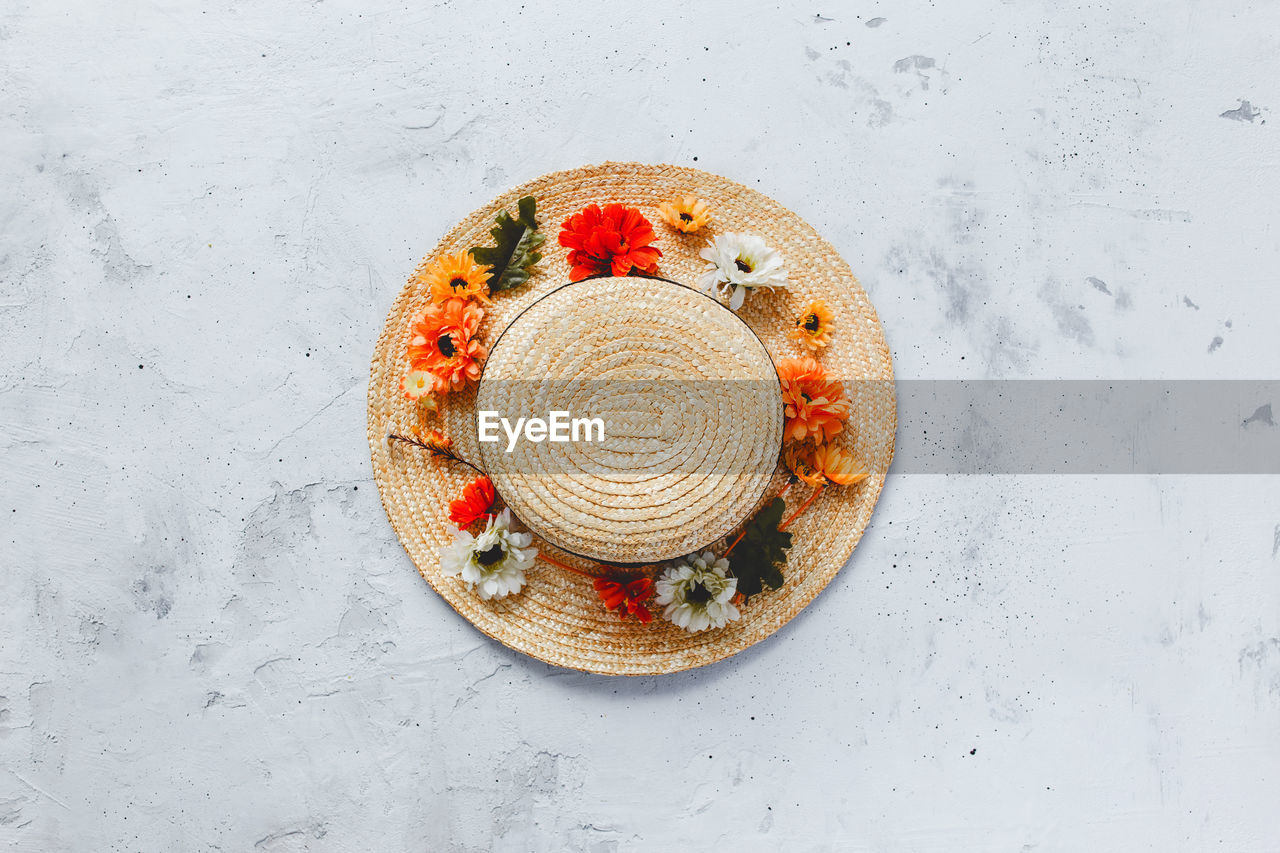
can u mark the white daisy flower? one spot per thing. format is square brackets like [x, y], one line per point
[492, 563]
[697, 593]
[737, 263]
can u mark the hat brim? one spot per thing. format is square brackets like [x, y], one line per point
[557, 617]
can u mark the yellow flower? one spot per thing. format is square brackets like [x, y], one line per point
[416, 384]
[813, 326]
[686, 215]
[456, 275]
[825, 463]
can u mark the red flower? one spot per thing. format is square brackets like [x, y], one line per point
[628, 599]
[476, 503]
[614, 240]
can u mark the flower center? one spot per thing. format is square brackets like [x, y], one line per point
[446, 347]
[811, 322]
[686, 217]
[459, 284]
[743, 266]
[489, 556]
[698, 593]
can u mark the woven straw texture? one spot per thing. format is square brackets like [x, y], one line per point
[689, 405]
[558, 618]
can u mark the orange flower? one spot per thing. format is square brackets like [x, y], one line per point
[614, 240]
[443, 343]
[815, 403]
[476, 503]
[626, 598]
[456, 275]
[824, 464]
[686, 215]
[813, 326]
[437, 443]
[416, 384]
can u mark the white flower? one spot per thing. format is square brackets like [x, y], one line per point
[737, 263]
[697, 593]
[492, 563]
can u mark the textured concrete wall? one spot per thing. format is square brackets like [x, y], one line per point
[210, 638]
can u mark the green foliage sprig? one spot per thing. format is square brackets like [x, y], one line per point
[759, 556]
[512, 259]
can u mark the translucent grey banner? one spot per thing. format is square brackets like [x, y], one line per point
[943, 426]
[1087, 427]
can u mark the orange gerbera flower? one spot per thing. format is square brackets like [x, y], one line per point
[815, 403]
[614, 240]
[455, 275]
[443, 343]
[825, 463]
[813, 326]
[686, 215]
[626, 598]
[476, 503]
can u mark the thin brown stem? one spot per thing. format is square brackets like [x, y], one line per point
[817, 491]
[568, 568]
[450, 455]
[743, 532]
[734, 542]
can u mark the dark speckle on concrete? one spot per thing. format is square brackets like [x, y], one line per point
[875, 22]
[1186, 300]
[1099, 284]
[1215, 343]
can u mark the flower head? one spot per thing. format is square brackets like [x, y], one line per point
[436, 443]
[626, 598]
[476, 502]
[493, 563]
[443, 343]
[825, 463]
[428, 406]
[815, 403]
[612, 240]
[813, 326]
[686, 215]
[416, 384]
[453, 275]
[737, 263]
[698, 593]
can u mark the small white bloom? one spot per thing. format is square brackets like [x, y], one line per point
[737, 263]
[697, 593]
[492, 563]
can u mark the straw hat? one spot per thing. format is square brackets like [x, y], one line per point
[689, 400]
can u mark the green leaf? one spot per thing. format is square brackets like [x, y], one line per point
[512, 259]
[758, 558]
